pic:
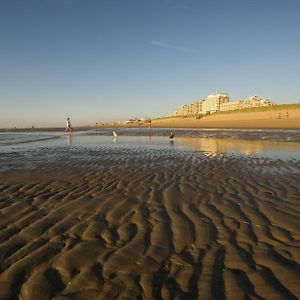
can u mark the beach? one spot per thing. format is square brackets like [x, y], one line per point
[140, 218]
[149, 150]
[273, 119]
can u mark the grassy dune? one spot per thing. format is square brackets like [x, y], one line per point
[262, 109]
[245, 110]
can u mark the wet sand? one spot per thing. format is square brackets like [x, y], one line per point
[165, 227]
[277, 119]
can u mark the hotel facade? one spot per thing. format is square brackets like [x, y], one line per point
[219, 102]
[213, 102]
[254, 101]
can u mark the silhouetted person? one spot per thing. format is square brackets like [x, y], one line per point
[69, 128]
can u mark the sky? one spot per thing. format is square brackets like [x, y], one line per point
[110, 60]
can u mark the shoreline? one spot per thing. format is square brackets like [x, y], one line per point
[284, 119]
[188, 123]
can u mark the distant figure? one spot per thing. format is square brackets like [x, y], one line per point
[114, 134]
[171, 135]
[150, 129]
[68, 128]
[287, 114]
[279, 116]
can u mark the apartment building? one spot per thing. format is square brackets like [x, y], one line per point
[213, 102]
[179, 112]
[220, 101]
[189, 109]
[196, 107]
[231, 105]
[253, 101]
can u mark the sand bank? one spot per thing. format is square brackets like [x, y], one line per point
[192, 228]
[278, 119]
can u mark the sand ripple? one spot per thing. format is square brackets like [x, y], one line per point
[143, 225]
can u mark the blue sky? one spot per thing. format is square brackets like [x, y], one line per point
[115, 59]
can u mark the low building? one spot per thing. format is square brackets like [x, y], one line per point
[196, 107]
[231, 105]
[251, 102]
[189, 109]
[254, 101]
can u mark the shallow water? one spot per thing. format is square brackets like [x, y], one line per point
[221, 141]
[243, 134]
[19, 150]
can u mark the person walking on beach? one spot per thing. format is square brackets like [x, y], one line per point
[69, 128]
[149, 128]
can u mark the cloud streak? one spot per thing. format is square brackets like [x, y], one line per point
[172, 47]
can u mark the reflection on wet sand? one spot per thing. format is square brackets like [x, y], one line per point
[69, 140]
[222, 146]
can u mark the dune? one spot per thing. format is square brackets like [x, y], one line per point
[274, 119]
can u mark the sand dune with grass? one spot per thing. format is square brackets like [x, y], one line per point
[285, 118]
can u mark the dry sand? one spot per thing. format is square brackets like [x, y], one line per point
[208, 230]
[279, 119]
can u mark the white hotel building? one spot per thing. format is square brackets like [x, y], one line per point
[219, 102]
[213, 102]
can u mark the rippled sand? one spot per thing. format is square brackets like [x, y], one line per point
[151, 225]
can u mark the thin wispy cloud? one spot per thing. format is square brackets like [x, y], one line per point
[172, 47]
